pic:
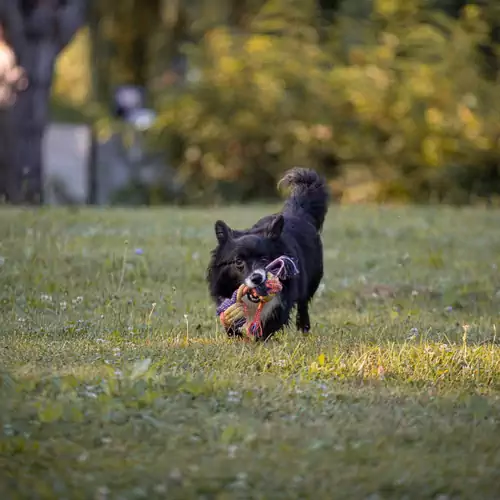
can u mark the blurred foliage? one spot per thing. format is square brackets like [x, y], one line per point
[391, 99]
[398, 98]
[72, 74]
[252, 111]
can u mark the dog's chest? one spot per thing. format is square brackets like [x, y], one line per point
[266, 311]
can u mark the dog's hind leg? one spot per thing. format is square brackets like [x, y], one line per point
[303, 322]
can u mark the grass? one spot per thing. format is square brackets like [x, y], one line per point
[116, 381]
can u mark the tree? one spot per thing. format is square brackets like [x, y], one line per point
[121, 43]
[37, 30]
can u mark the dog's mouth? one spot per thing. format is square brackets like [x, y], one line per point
[255, 299]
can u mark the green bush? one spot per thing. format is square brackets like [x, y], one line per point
[399, 99]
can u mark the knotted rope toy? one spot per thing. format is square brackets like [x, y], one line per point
[236, 311]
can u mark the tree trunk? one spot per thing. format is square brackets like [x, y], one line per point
[47, 26]
[7, 179]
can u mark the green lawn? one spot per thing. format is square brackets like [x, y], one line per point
[116, 381]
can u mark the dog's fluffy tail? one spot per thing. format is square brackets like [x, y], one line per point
[309, 194]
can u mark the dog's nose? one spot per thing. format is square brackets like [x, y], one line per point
[257, 278]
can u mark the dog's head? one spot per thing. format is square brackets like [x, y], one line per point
[241, 256]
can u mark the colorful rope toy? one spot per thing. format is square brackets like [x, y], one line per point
[244, 309]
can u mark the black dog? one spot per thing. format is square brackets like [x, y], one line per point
[295, 232]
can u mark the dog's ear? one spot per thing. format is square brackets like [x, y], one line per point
[275, 228]
[222, 231]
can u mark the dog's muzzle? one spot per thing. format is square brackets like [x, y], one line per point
[255, 279]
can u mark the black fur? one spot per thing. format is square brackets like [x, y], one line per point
[294, 232]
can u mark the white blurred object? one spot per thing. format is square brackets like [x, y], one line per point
[142, 119]
[66, 152]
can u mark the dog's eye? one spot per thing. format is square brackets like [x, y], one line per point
[239, 264]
